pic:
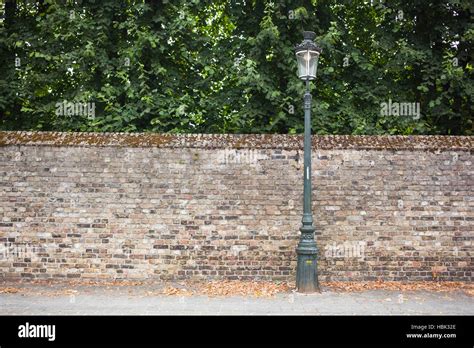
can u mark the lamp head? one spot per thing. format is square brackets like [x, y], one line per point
[307, 55]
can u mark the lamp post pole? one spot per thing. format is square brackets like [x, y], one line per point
[306, 272]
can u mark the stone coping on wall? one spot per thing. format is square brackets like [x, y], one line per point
[237, 141]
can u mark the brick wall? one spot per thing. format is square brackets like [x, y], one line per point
[144, 206]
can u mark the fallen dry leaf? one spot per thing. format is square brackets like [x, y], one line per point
[170, 291]
[470, 292]
[9, 290]
[242, 288]
[236, 287]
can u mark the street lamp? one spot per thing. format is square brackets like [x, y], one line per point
[307, 54]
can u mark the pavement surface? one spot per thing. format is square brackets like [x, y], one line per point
[143, 300]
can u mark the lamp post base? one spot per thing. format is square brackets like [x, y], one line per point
[306, 270]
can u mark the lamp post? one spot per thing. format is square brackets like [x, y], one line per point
[307, 54]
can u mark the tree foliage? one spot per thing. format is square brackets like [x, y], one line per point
[197, 66]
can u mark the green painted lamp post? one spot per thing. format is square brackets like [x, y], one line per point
[307, 54]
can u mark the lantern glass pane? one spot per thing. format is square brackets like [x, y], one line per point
[307, 64]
